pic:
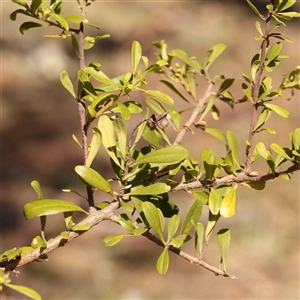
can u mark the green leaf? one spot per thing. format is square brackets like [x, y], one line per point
[153, 189]
[178, 241]
[175, 90]
[199, 237]
[162, 264]
[277, 109]
[75, 19]
[224, 242]
[183, 56]
[28, 25]
[212, 221]
[296, 139]
[279, 150]
[75, 44]
[63, 23]
[247, 91]
[192, 216]
[125, 112]
[225, 85]
[173, 226]
[214, 201]
[212, 54]
[258, 27]
[216, 133]
[47, 207]
[65, 235]
[100, 76]
[285, 4]
[136, 55]
[273, 53]
[11, 254]
[20, 2]
[13, 15]
[160, 95]
[66, 82]
[94, 179]
[114, 239]
[94, 146]
[163, 157]
[255, 185]
[88, 42]
[139, 231]
[228, 204]
[121, 132]
[232, 142]
[38, 242]
[255, 10]
[263, 118]
[35, 5]
[32, 294]
[36, 186]
[108, 137]
[83, 227]
[153, 217]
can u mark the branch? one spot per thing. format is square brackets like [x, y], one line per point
[93, 219]
[81, 105]
[256, 86]
[194, 114]
[190, 258]
[230, 179]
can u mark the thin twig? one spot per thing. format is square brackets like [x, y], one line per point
[81, 104]
[231, 179]
[256, 87]
[194, 114]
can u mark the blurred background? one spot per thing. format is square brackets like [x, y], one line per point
[39, 117]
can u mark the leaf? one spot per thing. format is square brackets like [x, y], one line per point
[278, 149]
[296, 139]
[214, 201]
[255, 10]
[38, 242]
[153, 218]
[228, 204]
[285, 4]
[178, 241]
[224, 242]
[75, 44]
[94, 146]
[163, 157]
[66, 82]
[114, 239]
[216, 133]
[263, 118]
[175, 90]
[121, 132]
[20, 2]
[212, 54]
[28, 25]
[25, 291]
[183, 56]
[108, 137]
[173, 226]
[246, 91]
[162, 264]
[94, 179]
[225, 85]
[36, 186]
[192, 216]
[212, 221]
[83, 227]
[136, 55]
[35, 5]
[199, 237]
[139, 231]
[153, 189]
[258, 27]
[88, 42]
[232, 142]
[75, 19]
[160, 95]
[60, 20]
[47, 207]
[273, 52]
[277, 109]
[254, 185]
[126, 223]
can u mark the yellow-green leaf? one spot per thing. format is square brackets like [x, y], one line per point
[228, 204]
